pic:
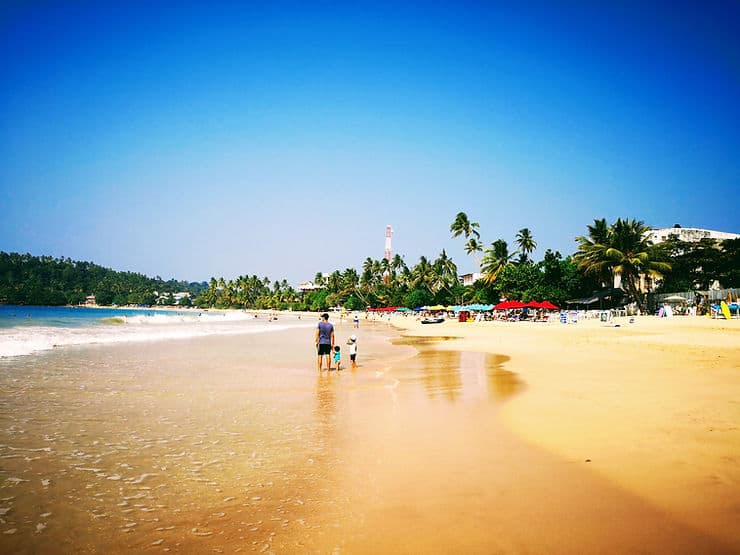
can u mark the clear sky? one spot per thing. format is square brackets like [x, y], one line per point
[199, 139]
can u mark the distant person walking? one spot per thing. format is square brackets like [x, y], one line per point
[357, 321]
[324, 341]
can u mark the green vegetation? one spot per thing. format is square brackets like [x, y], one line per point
[603, 253]
[621, 249]
[247, 292]
[43, 280]
[698, 265]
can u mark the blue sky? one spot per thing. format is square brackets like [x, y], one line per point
[191, 140]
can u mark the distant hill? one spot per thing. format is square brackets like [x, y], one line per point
[43, 280]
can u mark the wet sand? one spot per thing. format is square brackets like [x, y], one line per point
[237, 444]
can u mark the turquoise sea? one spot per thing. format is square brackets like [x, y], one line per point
[28, 329]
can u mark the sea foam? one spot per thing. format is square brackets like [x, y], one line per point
[25, 340]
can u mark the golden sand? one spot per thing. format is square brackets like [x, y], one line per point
[653, 406]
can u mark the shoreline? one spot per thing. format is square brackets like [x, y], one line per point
[651, 406]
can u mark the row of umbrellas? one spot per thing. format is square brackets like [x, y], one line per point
[504, 305]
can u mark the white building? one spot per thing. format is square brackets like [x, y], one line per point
[308, 286]
[470, 279]
[689, 234]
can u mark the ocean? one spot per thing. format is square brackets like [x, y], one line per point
[185, 431]
[30, 329]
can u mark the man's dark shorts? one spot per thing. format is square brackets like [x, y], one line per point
[324, 349]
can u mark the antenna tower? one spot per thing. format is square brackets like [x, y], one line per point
[388, 233]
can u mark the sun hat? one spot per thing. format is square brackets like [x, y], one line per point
[353, 337]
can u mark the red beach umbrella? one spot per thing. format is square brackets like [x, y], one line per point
[503, 305]
[547, 305]
[516, 304]
[533, 304]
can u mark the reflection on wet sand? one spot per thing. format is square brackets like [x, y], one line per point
[502, 384]
[326, 401]
[457, 375]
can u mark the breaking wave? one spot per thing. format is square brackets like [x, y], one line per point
[28, 339]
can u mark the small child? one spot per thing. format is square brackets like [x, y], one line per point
[353, 350]
[337, 357]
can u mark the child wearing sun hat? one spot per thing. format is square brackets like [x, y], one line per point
[352, 342]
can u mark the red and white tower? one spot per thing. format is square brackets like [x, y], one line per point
[388, 233]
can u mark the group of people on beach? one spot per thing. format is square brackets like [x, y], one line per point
[327, 350]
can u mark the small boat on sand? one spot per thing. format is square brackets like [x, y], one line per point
[432, 320]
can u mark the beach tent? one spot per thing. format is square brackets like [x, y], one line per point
[612, 295]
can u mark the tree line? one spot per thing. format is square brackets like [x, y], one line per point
[605, 251]
[44, 280]
[608, 253]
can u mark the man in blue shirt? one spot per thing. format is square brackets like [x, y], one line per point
[324, 341]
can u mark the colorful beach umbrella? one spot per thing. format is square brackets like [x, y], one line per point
[506, 305]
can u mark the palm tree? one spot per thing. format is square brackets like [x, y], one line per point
[599, 232]
[495, 259]
[383, 270]
[397, 264]
[350, 285]
[350, 281]
[463, 226]
[334, 282]
[367, 271]
[444, 273]
[626, 252]
[473, 246]
[211, 294]
[526, 244]
[372, 274]
[422, 274]
[591, 255]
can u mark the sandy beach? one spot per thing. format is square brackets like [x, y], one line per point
[650, 406]
[453, 438]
